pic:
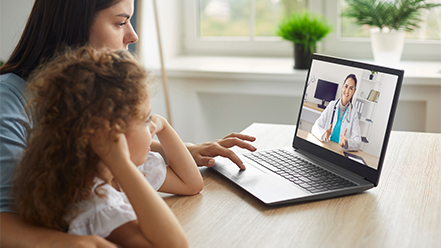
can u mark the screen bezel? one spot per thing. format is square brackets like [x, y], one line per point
[368, 173]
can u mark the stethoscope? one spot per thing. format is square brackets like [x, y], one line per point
[347, 116]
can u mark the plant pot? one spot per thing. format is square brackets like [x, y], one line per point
[387, 46]
[302, 57]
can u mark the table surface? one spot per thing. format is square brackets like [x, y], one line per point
[403, 211]
[369, 159]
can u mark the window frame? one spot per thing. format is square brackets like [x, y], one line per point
[356, 48]
[347, 47]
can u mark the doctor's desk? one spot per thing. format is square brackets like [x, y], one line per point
[404, 210]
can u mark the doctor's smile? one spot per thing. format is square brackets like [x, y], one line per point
[339, 122]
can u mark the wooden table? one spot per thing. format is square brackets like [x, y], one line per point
[370, 160]
[403, 211]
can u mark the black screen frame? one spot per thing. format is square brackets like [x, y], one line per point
[368, 173]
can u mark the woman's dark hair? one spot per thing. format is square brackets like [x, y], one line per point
[353, 78]
[52, 25]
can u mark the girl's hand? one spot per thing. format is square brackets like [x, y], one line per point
[110, 147]
[203, 153]
[160, 123]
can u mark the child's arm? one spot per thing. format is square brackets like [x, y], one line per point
[36, 236]
[156, 225]
[183, 176]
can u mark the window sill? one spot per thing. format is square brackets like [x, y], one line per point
[427, 73]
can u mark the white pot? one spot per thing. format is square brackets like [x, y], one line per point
[387, 46]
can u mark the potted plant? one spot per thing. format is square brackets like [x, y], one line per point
[304, 30]
[389, 20]
[371, 76]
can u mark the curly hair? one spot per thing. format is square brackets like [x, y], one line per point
[72, 96]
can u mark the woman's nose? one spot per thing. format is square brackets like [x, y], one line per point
[131, 36]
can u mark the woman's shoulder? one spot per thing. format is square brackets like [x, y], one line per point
[13, 80]
[331, 105]
[333, 102]
[12, 88]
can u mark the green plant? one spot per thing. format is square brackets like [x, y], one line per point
[303, 28]
[1, 63]
[371, 76]
[393, 14]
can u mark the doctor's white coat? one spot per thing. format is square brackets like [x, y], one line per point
[350, 122]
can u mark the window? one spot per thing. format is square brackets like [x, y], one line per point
[247, 27]
[237, 27]
[243, 18]
[430, 28]
[349, 40]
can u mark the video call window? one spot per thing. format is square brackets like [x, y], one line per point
[346, 110]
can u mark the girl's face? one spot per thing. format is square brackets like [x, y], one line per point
[347, 91]
[111, 27]
[140, 133]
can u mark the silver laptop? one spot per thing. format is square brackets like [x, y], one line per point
[337, 149]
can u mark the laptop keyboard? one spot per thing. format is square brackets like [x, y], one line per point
[299, 171]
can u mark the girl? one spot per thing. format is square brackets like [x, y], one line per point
[90, 139]
[51, 24]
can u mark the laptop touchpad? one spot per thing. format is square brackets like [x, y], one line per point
[250, 171]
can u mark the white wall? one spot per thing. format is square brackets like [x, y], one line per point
[209, 106]
[169, 18]
[13, 17]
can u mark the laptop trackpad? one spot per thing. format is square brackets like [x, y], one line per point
[250, 171]
[226, 167]
[267, 187]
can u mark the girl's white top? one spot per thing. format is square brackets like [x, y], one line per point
[101, 215]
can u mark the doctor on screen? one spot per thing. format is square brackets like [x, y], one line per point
[339, 121]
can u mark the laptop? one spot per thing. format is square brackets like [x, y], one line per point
[316, 167]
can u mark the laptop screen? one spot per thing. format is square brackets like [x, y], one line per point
[347, 113]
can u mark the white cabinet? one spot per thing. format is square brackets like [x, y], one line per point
[367, 97]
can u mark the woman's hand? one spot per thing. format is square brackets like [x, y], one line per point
[203, 153]
[344, 140]
[328, 133]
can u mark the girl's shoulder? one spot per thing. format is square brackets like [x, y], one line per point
[101, 213]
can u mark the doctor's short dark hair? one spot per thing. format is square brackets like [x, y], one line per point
[353, 77]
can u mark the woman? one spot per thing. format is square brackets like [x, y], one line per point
[52, 25]
[339, 121]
